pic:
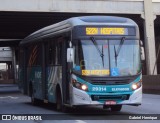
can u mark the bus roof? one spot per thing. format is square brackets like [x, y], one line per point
[68, 24]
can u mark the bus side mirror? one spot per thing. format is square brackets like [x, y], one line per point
[142, 51]
[70, 56]
[142, 54]
[141, 43]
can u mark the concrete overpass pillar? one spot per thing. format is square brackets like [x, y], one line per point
[149, 37]
[14, 63]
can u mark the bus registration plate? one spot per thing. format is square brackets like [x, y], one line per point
[110, 102]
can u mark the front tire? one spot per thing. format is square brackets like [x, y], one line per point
[116, 107]
[59, 101]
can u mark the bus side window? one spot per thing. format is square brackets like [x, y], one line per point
[55, 51]
[59, 51]
[59, 48]
[52, 52]
[33, 55]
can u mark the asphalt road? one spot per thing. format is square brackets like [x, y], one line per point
[14, 103]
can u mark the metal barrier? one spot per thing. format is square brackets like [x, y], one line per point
[151, 84]
[6, 76]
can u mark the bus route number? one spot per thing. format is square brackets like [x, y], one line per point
[91, 31]
[105, 31]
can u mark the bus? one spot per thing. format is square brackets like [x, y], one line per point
[83, 61]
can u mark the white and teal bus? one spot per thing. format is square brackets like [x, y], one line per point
[83, 61]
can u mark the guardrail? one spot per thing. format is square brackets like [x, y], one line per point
[151, 84]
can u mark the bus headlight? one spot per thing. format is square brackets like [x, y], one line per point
[79, 85]
[84, 87]
[136, 85]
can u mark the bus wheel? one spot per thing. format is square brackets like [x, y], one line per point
[59, 102]
[116, 107]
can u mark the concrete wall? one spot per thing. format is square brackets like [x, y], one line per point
[92, 6]
[86, 6]
[5, 54]
[156, 8]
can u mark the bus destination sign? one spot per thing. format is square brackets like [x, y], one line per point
[106, 31]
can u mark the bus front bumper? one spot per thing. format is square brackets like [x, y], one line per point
[80, 97]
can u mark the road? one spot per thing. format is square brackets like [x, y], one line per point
[13, 102]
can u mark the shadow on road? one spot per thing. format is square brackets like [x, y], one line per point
[83, 113]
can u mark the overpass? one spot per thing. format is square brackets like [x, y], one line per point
[6, 65]
[19, 18]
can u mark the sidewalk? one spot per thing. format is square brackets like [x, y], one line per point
[9, 88]
[8, 85]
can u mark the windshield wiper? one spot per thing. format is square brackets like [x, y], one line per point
[115, 55]
[100, 52]
[116, 52]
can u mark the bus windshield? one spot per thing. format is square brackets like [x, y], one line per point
[99, 58]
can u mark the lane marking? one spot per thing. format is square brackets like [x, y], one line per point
[80, 121]
[9, 97]
[147, 103]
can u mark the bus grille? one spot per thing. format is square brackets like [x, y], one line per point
[109, 97]
[109, 82]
